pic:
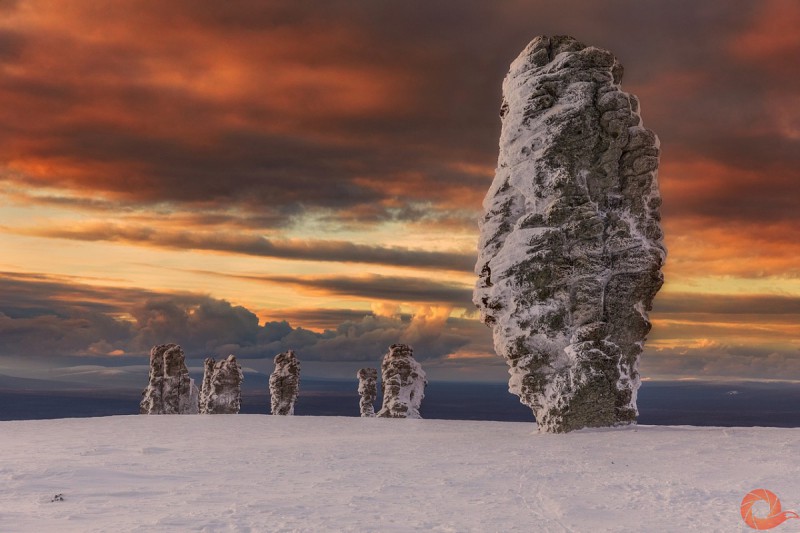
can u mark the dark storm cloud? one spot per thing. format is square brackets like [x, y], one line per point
[724, 304]
[336, 107]
[11, 45]
[29, 294]
[214, 115]
[721, 360]
[267, 170]
[375, 287]
[698, 322]
[319, 318]
[56, 317]
[255, 245]
[369, 338]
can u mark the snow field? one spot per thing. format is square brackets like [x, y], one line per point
[276, 473]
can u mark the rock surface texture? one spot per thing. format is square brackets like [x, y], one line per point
[403, 383]
[169, 391]
[284, 383]
[571, 248]
[221, 392]
[368, 390]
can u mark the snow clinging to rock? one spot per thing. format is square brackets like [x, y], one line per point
[403, 383]
[169, 390]
[284, 383]
[221, 392]
[571, 248]
[368, 390]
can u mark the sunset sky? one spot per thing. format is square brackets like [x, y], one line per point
[246, 177]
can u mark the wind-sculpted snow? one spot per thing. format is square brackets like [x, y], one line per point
[284, 383]
[403, 383]
[169, 390]
[571, 247]
[368, 390]
[221, 392]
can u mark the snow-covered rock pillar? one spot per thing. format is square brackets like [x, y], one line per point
[571, 248]
[284, 383]
[368, 390]
[169, 389]
[403, 383]
[221, 392]
[205, 386]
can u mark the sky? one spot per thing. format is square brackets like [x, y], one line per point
[247, 177]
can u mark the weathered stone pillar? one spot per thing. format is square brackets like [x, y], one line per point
[222, 387]
[169, 389]
[284, 383]
[403, 383]
[571, 248]
[368, 390]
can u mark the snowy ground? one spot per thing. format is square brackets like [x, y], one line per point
[263, 473]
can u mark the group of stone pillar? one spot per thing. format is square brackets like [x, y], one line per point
[170, 390]
[570, 258]
[403, 385]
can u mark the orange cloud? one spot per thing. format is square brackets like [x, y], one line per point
[723, 220]
[256, 245]
[773, 32]
[226, 127]
[700, 247]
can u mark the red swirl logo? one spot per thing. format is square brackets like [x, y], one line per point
[775, 516]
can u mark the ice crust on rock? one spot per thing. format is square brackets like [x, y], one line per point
[403, 383]
[571, 247]
[221, 392]
[284, 383]
[169, 390]
[368, 390]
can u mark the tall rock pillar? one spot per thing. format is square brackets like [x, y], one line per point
[284, 383]
[221, 392]
[571, 248]
[169, 390]
[368, 390]
[403, 383]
